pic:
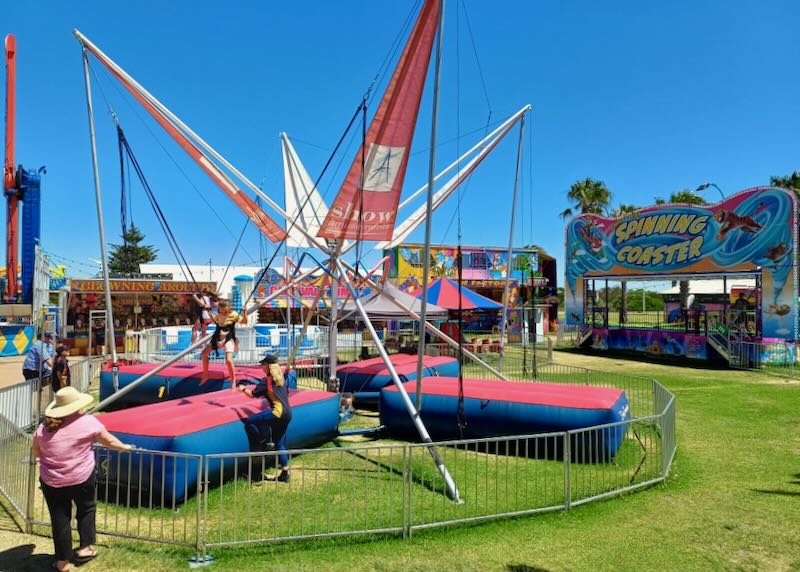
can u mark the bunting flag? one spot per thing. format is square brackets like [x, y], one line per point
[368, 209]
[260, 219]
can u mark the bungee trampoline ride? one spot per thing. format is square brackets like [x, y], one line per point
[171, 406]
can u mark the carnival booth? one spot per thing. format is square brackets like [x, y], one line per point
[747, 243]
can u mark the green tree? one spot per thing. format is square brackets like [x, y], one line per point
[686, 197]
[791, 182]
[125, 258]
[623, 210]
[587, 196]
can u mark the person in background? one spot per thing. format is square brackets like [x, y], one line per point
[39, 360]
[64, 445]
[202, 305]
[100, 338]
[269, 427]
[224, 336]
[61, 375]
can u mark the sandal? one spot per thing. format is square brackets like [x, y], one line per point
[83, 559]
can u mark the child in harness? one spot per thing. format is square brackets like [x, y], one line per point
[224, 337]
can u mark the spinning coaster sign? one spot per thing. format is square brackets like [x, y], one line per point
[755, 230]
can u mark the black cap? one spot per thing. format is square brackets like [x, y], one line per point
[47, 335]
[269, 359]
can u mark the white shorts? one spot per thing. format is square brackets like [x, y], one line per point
[229, 346]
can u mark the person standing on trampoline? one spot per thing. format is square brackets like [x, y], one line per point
[202, 315]
[224, 337]
[269, 427]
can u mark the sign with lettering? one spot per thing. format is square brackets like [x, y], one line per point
[754, 230]
[139, 286]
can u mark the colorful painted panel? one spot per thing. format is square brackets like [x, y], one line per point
[752, 230]
[654, 343]
[16, 339]
[478, 264]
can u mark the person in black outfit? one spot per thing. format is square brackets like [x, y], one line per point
[61, 376]
[269, 427]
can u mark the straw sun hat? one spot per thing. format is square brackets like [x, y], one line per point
[68, 401]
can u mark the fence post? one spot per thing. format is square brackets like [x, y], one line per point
[29, 502]
[38, 390]
[200, 543]
[549, 349]
[201, 558]
[567, 473]
[665, 436]
[407, 492]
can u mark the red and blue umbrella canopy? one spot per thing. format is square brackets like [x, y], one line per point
[444, 293]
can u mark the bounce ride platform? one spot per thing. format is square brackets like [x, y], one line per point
[174, 382]
[496, 408]
[200, 425]
[365, 379]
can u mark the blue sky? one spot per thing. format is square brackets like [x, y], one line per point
[649, 97]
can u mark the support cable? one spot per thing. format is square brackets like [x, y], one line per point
[174, 161]
[160, 216]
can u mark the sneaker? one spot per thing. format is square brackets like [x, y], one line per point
[282, 477]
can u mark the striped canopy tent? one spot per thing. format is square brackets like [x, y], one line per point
[444, 293]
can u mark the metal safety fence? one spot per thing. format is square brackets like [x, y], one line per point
[203, 502]
[778, 358]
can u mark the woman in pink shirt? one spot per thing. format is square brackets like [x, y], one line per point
[64, 444]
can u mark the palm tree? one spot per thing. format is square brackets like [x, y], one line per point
[686, 197]
[791, 182]
[622, 211]
[587, 196]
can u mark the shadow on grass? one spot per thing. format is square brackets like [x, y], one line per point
[8, 520]
[782, 492]
[645, 358]
[425, 483]
[283, 548]
[525, 568]
[777, 492]
[21, 559]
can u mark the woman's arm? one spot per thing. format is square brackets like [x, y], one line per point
[35, 447]
[243, 319]
[106, 439]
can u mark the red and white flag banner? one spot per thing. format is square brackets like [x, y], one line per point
[368, 210]
[262, 220]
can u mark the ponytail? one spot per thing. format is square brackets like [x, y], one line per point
[276, 373]
[52, 424]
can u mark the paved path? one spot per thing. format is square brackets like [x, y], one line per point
[11, 369]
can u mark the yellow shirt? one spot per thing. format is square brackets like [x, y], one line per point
[231, 318]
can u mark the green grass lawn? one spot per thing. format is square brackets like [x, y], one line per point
[732, 501]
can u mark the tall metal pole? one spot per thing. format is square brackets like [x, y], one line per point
[510, 245]
[333, 381]
[452, 490]
[100, 226]
[9, 183]
[423, 307]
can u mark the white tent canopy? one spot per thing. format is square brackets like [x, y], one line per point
[379, 307]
